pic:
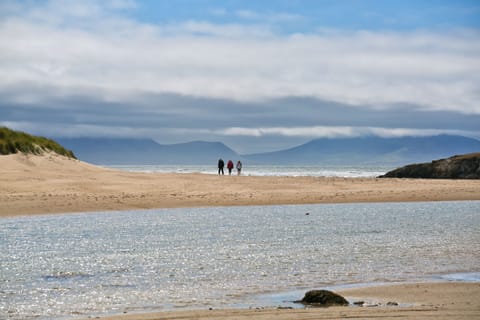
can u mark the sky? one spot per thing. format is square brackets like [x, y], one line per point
[256, 75]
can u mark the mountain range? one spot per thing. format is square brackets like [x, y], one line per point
[369, 150]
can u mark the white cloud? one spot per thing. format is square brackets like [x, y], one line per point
[101, 51]
[121, 4]
[220, 12]
[339, 132]
[317, 131]
[203, 28]
[272, 17]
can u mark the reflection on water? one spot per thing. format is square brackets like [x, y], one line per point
[88, 264]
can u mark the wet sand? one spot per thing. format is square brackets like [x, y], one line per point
[54, 184]
[446, 300]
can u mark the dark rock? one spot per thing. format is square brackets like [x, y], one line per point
[323, 298]
[359, 303]
[457, 167]
[392, 303]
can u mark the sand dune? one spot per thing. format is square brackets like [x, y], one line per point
[54, 184]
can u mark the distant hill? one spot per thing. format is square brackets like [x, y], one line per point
[371, 150]
[339, 151]
[115, 151]
[457, 167]
[12, 141]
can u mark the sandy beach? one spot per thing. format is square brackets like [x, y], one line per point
[446, 300]
[54, 184]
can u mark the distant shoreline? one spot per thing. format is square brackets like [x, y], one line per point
[33, 184]
[362, 171]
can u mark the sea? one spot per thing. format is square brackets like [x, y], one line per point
[352, 171]
[105, 263]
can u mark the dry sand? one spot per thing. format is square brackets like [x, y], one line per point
[54, 184]
[447, 300]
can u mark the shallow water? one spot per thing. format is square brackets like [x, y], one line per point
[87, 264]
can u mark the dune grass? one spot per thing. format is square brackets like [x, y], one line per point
[12, 141]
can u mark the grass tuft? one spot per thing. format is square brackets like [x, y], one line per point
[16, 141]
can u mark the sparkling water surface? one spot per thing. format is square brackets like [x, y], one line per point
[79, 265]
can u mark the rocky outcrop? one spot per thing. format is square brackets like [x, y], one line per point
[323, 298]
[457, 167]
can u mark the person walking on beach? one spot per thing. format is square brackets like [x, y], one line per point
[221, 164]
[239, 167]
[230, 167]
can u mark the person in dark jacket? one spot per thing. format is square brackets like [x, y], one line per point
[230, 167]
[221, 164]
[239, 167]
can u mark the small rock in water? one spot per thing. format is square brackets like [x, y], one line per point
[392, 303]
[323, 298]
[359, 303]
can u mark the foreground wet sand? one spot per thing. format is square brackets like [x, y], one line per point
[446, 300]
[54, 184]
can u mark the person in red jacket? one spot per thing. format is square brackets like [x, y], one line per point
[230, 167]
